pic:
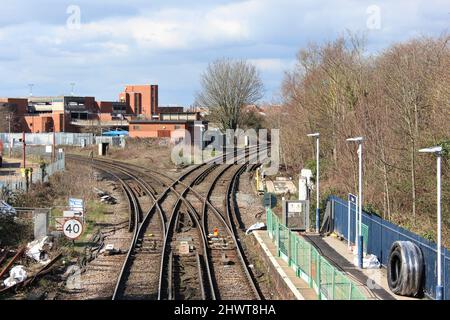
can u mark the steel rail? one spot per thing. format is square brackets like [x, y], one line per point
[171, 187]
[133, 204]
[203, 230]
[230, 213]
[161, 196]
[228, 226]
[174, 215]
[134, 213]
[10, 263]
[173, 181]
[41, 272]
[191, 211]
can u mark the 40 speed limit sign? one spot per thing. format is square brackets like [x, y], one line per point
[72, 228]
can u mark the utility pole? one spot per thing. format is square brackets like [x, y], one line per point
[24, 149]
[9, 134]
[31, 88]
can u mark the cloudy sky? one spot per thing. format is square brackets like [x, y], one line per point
[170, 42]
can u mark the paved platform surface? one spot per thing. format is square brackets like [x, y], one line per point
[298, 286]
[372, 281]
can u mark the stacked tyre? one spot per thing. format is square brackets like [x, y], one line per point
[405, 269]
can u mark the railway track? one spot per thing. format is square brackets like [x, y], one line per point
[138, 278]
[148, 234]
[233, 279]
[181, 276]
[208, 281]
[195, 240]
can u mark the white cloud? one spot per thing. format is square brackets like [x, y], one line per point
[272, 65]
[172, 41]
[168, 29]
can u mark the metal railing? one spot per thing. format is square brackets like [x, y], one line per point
[379, 235]
[328, 282]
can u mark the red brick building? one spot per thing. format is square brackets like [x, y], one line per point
[12, 111]
[19, 105]
[73, 113]
[141, 99]
[173, 129]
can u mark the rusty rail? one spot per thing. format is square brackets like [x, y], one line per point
[42, 271]
[10, 263]
[4, 256]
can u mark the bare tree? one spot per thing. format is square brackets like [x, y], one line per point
[227, 86]
[398, 100]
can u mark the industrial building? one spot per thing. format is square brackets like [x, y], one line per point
[173, 127]
[141, 99]
[136, 110]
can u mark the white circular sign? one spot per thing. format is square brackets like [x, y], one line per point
[72, 228]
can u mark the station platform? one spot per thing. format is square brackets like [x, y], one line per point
[298, 287]
[371, 282]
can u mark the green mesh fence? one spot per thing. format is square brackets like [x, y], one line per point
[283, 240]
[328, 282]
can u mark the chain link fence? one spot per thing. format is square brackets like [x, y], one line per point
[379, 235]
[61, 138]
[14, 183]
[328, 282]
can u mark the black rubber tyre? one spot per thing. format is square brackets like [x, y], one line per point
[405, 269]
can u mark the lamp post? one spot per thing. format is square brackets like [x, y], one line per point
[360, 242]
[438, 152]
[352, 199]
[317, 136]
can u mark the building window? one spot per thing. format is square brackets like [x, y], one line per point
[177, 126]
[136, 127]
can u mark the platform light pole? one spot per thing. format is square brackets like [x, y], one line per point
[317, 136]
[438, 152]
[352, 199]
[360, 242]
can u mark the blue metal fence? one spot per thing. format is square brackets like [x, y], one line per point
[381, 235]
